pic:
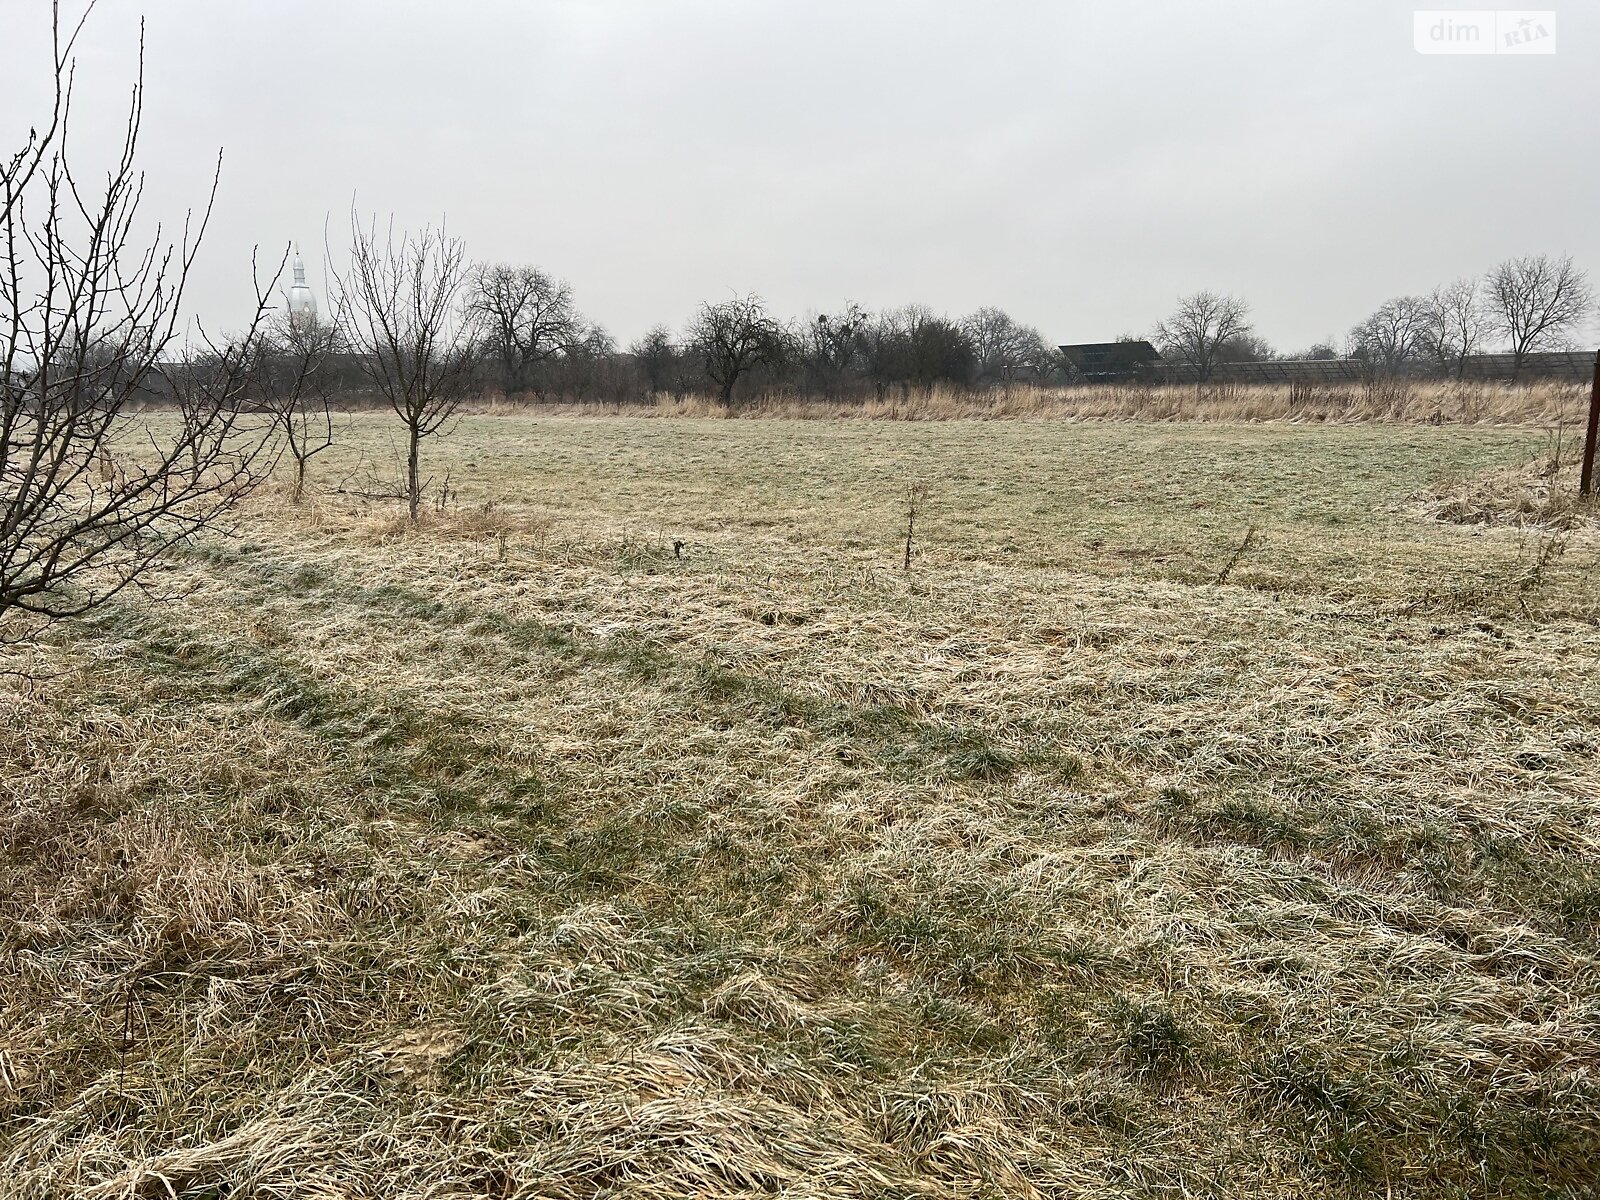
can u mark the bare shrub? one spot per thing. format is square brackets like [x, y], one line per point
[294, 384]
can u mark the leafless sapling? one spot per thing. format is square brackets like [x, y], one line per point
[398, 306]
[294, 383]
[916, 500]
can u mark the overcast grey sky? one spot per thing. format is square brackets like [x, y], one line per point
[1079, 164]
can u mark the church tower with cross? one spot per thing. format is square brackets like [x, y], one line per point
[302, 304]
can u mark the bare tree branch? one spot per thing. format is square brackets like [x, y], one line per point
[91, 492]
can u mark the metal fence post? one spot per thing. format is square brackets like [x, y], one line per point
[1586, 479]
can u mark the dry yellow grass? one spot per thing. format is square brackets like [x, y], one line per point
[520, 855]
[1388, 401]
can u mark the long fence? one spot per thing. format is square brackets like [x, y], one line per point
[1574, 365]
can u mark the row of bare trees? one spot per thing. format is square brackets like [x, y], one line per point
[427, 328]
[536, 343]
[1528, 304]
[539, 345]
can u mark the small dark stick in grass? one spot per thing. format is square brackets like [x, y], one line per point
[916, 497]
[1244, 546]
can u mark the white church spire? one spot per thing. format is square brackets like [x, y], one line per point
[302, 304]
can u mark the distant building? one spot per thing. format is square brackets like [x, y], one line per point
[302, 304]
[1112, 362]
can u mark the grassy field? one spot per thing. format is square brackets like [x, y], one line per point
[1199, 815]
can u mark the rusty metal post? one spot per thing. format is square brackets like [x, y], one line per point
[1586, 479]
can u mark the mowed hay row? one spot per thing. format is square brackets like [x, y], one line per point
[525, 854]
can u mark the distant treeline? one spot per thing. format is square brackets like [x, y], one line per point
[523, 337]
[533, 342]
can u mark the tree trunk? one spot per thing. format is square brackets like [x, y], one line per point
[413, 483]
[299, 478]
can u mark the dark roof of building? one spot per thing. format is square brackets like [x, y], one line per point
[1095, 360]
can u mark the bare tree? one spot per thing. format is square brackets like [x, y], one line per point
[91, 493]
[1453, 324]
[1200, 327]
[202, 381]
[1003, 348]
[294, 383]
[1391, 336]
[1534, 302]
[657, 358]
[398, 307]
[917, 348]
[831, 345]
[1246, 348]
[733, 337]
[1046, 363]
[1317, 352]
[582, 368]
[883, 351]
[524, 317]
[938, 349]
